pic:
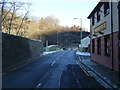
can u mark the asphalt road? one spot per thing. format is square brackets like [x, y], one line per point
[56, 70]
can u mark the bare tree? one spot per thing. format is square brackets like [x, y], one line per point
[24, 19]
[1, 13]
[11, 21]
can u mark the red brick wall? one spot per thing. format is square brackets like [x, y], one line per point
[106, 60]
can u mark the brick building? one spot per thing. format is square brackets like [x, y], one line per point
[105, 33]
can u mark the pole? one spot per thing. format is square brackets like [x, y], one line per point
[57, 38]
[46, 45]
[1, 13]
[81, 34]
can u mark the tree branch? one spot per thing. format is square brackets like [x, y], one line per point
[22, 22]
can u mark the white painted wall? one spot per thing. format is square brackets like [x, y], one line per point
[85, 42]
[107, 19]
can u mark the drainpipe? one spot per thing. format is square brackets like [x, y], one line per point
[112, 33]
[119, 40]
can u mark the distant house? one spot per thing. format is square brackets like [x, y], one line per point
[85, 42]
[104, 29]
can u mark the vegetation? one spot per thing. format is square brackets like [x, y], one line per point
[45, 29]
[12, 21]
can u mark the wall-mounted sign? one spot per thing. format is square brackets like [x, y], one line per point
[100, 27]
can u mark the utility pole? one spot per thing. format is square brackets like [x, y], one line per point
[81, 33]
[57, 38]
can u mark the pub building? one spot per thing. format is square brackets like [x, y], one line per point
[104, 34]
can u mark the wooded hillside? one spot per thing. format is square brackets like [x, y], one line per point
[46, 29]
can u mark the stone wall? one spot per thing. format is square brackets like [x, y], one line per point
[17, 50]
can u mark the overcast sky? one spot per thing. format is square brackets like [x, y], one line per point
[64, 10]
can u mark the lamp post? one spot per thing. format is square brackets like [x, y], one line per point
[57, 37]
[80, 33]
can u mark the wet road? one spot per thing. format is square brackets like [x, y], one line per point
[56, 70]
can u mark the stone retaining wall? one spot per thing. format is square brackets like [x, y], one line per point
[17, 50]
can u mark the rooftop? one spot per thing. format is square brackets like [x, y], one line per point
[96, 8]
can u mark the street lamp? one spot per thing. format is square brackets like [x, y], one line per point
[81, 32]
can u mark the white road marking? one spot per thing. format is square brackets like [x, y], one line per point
[53, 63]
[57, 59]
[78, 82]
[74, 74]
[38, 85]
[86, 72]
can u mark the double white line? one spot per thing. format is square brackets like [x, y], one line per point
[83, 69]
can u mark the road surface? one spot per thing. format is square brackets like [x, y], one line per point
[56, 70]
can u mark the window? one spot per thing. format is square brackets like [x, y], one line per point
[98, 15]
[93, 20]
[93, 45]
[107, 45]
[106, 8]
[99, 46]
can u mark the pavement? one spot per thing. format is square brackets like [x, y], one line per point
[104, 75]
